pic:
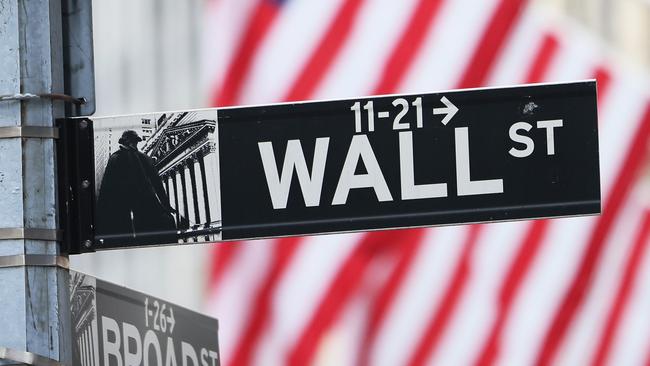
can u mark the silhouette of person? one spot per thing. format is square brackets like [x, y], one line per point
[132, 205]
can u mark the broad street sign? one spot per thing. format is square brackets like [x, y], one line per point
[370, 163]
[113, 325]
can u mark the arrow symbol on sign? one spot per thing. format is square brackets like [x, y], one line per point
[450, 110]
[171, 320]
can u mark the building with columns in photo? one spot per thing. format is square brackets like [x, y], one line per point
[84, 320]
[185, 154]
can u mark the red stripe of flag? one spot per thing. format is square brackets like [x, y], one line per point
[260, 314]
[626, 285]
[341, 290]
[604, 80]
[223, 255]
[438, 323]
[575, 295]
[510, 287]
[543, 58]
[262, 18]
[408, 46]
[491, 43]
[406, 253]
[328, 48]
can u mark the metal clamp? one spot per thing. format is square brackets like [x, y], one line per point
[34, 260]
[42, 132]
[54, 96]
[27, 358]
[19, 233]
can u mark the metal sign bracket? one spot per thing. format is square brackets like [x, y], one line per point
[27, 358]
[41, 132]
[34, 260]
[76, 184]
[30, 234]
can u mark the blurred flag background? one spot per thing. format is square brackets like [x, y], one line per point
[568, 291]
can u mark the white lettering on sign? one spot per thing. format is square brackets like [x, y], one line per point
[397, 125]
[150, 340]
[162, 320]
[550, 136]
[132, 356]
[207, 355]
[170, 356]
[522, 139]
[360, 150]
[369, 107]
[280, 183]
[411, 191]
[361, 153]
[188, 353]
[125, 346]
[464, 185]
[515, 136]
[111, 348]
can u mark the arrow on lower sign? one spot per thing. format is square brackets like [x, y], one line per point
[171, 320]
[450, 110]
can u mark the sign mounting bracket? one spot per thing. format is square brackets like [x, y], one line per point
[76, 184]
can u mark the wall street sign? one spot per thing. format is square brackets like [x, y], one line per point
[370, 163]
[113, 325]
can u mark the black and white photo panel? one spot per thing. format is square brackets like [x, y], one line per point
[157, 179]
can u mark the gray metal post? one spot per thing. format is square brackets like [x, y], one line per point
[34, 303]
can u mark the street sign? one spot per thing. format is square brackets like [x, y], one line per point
[113, 325]
[382, 162]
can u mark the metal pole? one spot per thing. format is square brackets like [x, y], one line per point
[34, 300]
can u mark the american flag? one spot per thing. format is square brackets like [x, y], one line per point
[571, 291]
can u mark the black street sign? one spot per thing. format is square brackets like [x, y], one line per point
[113, 326]
[404, 161]
[382, 162]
